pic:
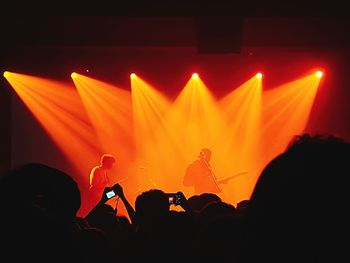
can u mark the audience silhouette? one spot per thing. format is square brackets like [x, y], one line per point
[297, 213]
[39, 205]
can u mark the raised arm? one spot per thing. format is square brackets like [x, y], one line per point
[131, 212]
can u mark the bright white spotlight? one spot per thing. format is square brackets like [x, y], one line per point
[74, 75]
[319, 74]
[259, 75]
[132, 75]
[195, 75]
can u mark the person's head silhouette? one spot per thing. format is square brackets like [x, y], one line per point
[300, 202]
[151, 205]
[44, 189]
[205, 154]
[107, 161]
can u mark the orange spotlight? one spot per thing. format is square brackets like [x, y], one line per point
[259, 75]
[74, 75]
[59, 110]
[286, 112]
[6, 74]
[195, 75]
[132, 75]
[319, 74]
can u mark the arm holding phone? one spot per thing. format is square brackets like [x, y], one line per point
[106, 195]
[118, 190]
[179, 199]
[111, 192]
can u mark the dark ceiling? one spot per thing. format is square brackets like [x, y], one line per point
[176, 23]
[212, 27]
[177, 7]
[217, 33]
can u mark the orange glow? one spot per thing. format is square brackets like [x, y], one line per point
[195, 122]
[109, 110]
[154, 139]
[286, 113]
[58, 109]
[319, 74]
[199, 115]
[242, 110]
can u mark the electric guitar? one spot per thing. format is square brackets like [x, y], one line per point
[225, 180]
[213, 177]
[229, 178]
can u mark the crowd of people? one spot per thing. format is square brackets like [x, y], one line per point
[297, 213]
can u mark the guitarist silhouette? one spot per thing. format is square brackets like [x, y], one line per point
[201, 177]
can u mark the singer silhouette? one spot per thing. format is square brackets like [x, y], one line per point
[99, 178]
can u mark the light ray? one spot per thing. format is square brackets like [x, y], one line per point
[59, 111]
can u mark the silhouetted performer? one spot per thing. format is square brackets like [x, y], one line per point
[99, 177]
[200, 176]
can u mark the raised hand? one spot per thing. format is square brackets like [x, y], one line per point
[183, 203]
[118, 190]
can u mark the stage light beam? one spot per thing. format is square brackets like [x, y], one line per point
[58, 109]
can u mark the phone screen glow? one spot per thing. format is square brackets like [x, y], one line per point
[110, 194]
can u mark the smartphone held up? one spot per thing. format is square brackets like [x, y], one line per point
[174, 198]
[110, 194]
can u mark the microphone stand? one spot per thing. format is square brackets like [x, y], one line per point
[212, 175]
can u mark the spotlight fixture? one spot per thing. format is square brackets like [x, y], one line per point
[74, 75]
[259, 75]
[6, 74]
[319, 74]
[195, 75]
[132, 75]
